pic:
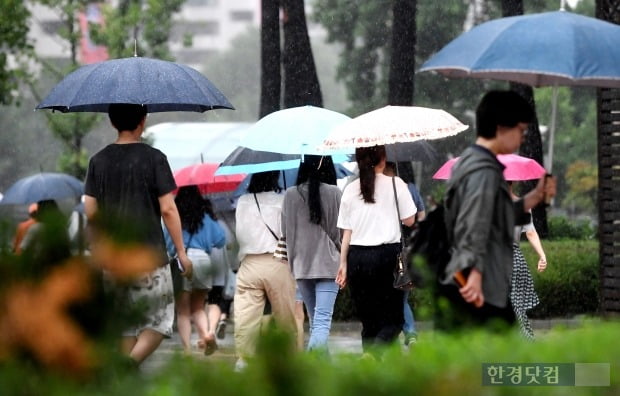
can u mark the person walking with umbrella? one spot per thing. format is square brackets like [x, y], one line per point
[522, 294]
[128, 191]
[371, 244]
[201, 233]
[309, 216]
[261, 277]
[480, 216]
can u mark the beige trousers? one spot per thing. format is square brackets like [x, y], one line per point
[260, 277]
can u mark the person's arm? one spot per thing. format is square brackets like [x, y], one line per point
[546, 187]
[421, 215]
[90, 207]
[341, 277]
[171, 218]
[532, 236]
[475, 199]
[409, 221]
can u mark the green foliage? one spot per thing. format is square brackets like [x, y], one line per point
[438, 365]
[582, 180]
[560, 227]
[15, 47]
[149, 23]
[570, 284]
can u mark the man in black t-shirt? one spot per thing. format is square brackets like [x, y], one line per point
[128, 191]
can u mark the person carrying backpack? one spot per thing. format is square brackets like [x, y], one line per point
[480, 216]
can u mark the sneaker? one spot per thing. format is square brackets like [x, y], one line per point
[240, 365]
[220, 330]
[410, 339]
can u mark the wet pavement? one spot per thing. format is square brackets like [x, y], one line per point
[344, 338]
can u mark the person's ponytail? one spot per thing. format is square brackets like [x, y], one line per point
[367, 158]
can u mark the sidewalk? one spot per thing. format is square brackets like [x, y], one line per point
[344, 338]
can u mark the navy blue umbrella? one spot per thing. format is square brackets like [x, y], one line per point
[159, 85]
[43, 186]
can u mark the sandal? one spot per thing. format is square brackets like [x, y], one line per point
[209, 345]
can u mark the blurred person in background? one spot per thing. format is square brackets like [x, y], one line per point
[201, 233]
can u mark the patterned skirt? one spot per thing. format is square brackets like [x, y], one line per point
[522, 294]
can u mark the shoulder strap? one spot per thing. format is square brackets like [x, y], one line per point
[402, 239]
[261, 217]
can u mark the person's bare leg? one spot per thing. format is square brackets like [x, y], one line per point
[146, 344]
[184, 324]
[213, 313]
[199, 316]
[207, 337]
[127, 344]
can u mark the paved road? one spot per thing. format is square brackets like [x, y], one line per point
[344, 337]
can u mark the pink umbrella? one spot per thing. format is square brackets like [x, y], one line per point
[517, 168]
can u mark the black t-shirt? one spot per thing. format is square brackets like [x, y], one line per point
[127, 181]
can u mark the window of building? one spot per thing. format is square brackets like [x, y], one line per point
[242, 16]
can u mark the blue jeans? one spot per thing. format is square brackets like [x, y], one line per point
[409, 325]
[319, 297]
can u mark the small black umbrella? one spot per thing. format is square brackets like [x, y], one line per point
[159, 85]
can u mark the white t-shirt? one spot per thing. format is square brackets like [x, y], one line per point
[375, 224]
[252, 234]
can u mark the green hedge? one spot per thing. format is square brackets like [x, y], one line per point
[437, 365]
[569, 286]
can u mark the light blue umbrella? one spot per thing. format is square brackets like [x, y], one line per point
[298, 130]
[545, 49]
[245, 160]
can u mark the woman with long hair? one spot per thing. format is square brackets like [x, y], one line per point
[260, 276]
[201, 233]
[309, 216]
[369, 220]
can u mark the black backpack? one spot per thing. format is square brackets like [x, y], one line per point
[428, 250]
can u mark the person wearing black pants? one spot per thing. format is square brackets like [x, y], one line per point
[377, 303]
[370, 223]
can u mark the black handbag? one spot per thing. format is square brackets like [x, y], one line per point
[402, 277]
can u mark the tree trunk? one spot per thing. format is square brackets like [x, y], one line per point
[532, 147]
[271, 79]
[402, 63]
[608, 104]
[301, 83]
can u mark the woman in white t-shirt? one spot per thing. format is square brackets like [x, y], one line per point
[371, 243]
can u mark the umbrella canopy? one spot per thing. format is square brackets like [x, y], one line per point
[203, 175]
[517, 168]
[298, 130]
[159, 85]
[421, 151]
[392, 124]
[245, 160]
[546, 49]
[43, 186]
